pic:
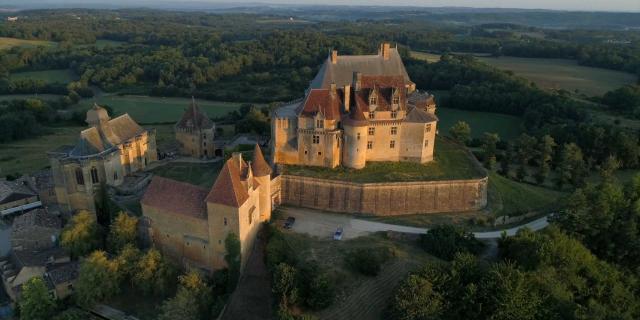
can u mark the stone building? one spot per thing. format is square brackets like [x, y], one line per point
[17, 196]
[190, 223]
[105, 153]
[35, 230]
[195, 133]
[357, 109]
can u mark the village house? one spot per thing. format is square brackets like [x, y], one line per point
[105, 153]
[191, 223]
[195, 133]
[17, 196]
[357, 109]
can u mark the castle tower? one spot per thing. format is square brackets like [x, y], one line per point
[97, 116]
[262, 174]
[355, 146]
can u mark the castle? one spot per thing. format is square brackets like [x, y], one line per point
[357, 109]
[105, 153]
[190, 223]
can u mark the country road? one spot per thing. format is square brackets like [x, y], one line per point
[322, 224]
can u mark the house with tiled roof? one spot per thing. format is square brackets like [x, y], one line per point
[105, 153]
[357, 109]
[191, 223]
[195, 132]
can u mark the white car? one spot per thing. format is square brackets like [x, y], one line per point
[338, 234]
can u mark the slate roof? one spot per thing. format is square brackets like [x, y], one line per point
[418, 115]
[95, 140]
[14, 190]
[195, 118]
[64, 272]
[28, 258]
[259, 165]
[228, 189]
[176, 197]
[341, 73]
[38, 217]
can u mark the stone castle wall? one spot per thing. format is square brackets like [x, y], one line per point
[385, 199]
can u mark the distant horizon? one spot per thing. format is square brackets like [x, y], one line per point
[612, 6]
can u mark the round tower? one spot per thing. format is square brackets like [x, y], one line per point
[355, 144]
[262, 174]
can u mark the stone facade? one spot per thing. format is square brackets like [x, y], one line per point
[106, 152]
[195, 133]
[384, 199]
[357, 109]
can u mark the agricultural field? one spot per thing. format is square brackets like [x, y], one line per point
[49, 76]
[506, 126]
[563, 74]
[429, 57]
[8, 43]
[29, 155]
[146, 109]
[451, 162]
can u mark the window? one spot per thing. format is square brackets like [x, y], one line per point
[426, 143]
[319, 124]
[79, 177]
[358, 136]
[394, 130]
[319, 153]
[369, 144]
[394, 114]
[392, 144]
[396, 99]
[225, 221]
[204, 136]
[372, 131]
[373, 100]
[94, 175]
[115, 175]
[372, 115]
[428, 127]
[251, 214]
[316, 139]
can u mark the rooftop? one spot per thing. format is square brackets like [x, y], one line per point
[176, 197]
[38, 217]
[14, 190]
[195, 118]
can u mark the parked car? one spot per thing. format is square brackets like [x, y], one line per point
[289, 222]
[338, 234]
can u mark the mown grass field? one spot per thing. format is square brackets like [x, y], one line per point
[506, 126]
[26, 156]
[145, 109]
[563, 74]
[8, 43]
[49, 76]
[451, 162]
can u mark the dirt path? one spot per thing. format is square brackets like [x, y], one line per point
[252, 299]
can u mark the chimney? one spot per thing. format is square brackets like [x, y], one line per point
[237, 159]
[357, 81]
[334, 56]
[347, 97]
[385, 50]
[332, 89]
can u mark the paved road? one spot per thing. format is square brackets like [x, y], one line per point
[322, 224]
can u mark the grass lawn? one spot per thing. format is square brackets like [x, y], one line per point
[451, 162]
[145, 109]
[429, 57]
[9, 97]
[520, 198]
[50, 76]
[8, 43]
[199, 174]
[506, 126]
[26, 156]
[563, 74]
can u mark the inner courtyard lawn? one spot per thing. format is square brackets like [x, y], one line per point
[451, 162]
[202, 175]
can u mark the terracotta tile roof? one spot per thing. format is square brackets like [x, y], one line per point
[176, 197]
[194, 117]
[382, 81]
[259, 165]
[383, 88]
[322, 100]
[228, 189]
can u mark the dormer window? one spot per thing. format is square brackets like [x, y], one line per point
[319, 123]
[373, 100]
[396, 99]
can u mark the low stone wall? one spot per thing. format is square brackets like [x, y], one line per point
[393, 198]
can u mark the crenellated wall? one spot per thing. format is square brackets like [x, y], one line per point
[393, 198]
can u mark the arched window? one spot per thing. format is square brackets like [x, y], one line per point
[79, 176]
[94, 175]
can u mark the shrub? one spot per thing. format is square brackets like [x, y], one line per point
[447, 240]
[315, 287]
[368, 261]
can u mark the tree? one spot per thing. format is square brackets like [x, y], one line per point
[445, 241]
[36, 303]
[571, 169]
[417, 299]
[98, 279]
[232, 245]
[525, 146]
[505, 164]
[127, 261]
[546, 148]
[81, 235]
[154, 275]
[284, 284]
[461, 132]
[489, 142]
[191, 301]
[123, 231]
[609, 167]
[103, 206]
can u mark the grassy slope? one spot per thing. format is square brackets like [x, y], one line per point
[519, 198]
[8, 43]
[452, 162]
[50, 76]
[506, 126]
[157, 109]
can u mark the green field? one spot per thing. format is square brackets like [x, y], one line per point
[563, 74]
[145, 109]
[429, 57]
[49, 76]
[451, 162]
[199, 174]
[9, 97]
[26, 156]
[8, 43]
[520, 198]
[506, 126]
